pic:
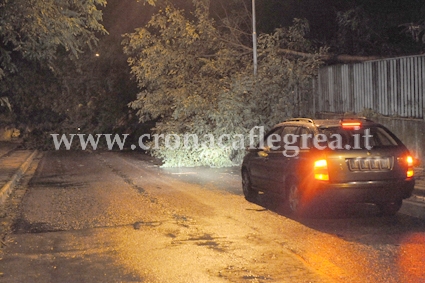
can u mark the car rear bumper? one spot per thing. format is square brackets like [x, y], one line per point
[366, 192]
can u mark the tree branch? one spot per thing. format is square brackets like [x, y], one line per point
[331, 57]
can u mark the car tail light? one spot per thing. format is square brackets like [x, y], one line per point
[321, 170]
[350, 124]
[409, 173]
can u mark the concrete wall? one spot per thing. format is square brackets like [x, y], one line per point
[410, 131]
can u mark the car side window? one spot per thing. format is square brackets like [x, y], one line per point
[305, 138]
[289, 136]
[381, 138]
[272, 139]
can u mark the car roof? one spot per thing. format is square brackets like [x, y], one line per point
[325, 123]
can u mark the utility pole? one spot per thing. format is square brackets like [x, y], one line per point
[254, 37]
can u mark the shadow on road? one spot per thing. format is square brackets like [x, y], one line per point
[355, 222]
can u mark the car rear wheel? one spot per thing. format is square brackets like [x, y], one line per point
[390, 208]
[293, 199]
[249, 193]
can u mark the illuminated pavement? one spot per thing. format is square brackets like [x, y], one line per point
[118, 217]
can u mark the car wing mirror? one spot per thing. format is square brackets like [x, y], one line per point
[264, 151]
[262, 154]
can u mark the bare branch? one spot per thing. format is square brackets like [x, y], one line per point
[331, 57]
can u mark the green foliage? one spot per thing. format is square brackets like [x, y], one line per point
[35, 29]
[372, 29]
[90, 94]
[196, 78]
[356, 34]
[50, 90]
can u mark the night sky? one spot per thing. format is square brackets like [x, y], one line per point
[123, 16]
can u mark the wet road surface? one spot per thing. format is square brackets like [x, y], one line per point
[118, 217]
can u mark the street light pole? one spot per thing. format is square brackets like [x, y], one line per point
[254, 37]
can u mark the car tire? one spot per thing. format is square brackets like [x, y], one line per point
[249, 193]
[293, 198]
[390, 208]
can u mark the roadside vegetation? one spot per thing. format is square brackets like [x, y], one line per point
[56, 75]
[196, 77]
[187, 70]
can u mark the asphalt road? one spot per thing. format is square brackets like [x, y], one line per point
[118, 217]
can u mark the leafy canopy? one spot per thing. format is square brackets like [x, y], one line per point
[35, 29]
[195, 77]
[49, 90]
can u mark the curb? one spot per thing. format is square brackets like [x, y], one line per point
[7, 152]
[415, 205]
[8, 187]
[413, 208]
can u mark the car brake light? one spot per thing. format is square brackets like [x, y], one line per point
[409, 160]
[350, 125]
[321, 170]
[409, 173]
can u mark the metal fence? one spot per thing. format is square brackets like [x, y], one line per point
[391, 87]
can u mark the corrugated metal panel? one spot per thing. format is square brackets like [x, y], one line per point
[391, 87]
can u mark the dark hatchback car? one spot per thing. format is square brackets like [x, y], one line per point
[340, 161]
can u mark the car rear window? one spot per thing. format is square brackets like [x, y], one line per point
[368, 136]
